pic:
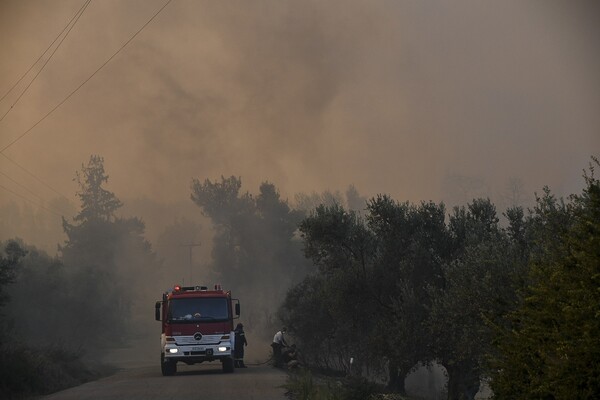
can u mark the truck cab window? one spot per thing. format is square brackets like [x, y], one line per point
[198, 309]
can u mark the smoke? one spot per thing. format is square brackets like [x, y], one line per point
[392, 97]
[418, 99]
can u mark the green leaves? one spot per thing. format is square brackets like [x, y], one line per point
[550, 347]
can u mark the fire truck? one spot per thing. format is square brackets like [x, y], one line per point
[197, 326]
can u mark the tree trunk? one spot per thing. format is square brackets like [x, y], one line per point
[396, 379]
[463, 382]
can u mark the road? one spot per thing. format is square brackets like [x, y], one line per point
[139, 377]
[203, 381]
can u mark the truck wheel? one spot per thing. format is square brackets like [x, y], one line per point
[227, 365]
[168, 367]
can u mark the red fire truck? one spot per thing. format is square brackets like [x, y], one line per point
[197, 326]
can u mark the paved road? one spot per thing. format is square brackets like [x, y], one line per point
[202, 381]
[139, 377]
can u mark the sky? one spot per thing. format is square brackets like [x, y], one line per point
[395, 97]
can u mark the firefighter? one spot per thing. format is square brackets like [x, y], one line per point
[240, 342]
[277, 345]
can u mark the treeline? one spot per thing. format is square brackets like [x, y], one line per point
[402, 285]
[387, 284]
[59, 313]
[256, 248]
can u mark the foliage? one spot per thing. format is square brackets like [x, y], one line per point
[27, 371]
[104, 256]
[549, 347]
[9, 258]
[305, 386]
[383, 262]
[477, 286]
[255, 249]
[460, 292]
[97, 203]
[333, 331]
[351, 199]
[39, 298]
[78, 297]
[412, 244]
[31, 363]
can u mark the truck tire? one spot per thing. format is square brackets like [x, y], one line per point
[227, 365]
[168, 367]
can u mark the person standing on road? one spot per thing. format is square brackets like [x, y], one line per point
[240, 342]
[277, 345]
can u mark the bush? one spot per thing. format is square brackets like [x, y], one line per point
[303, 386]
[26, 371]
[358, 388]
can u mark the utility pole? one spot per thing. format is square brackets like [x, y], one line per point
[190, 246]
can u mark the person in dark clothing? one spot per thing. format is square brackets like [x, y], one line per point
[240, 342]
[290, 357]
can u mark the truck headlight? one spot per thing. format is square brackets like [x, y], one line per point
[222, 348]
[172, 351]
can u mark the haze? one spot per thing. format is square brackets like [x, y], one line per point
[394, 97]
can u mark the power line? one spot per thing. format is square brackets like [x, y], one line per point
[33, 176]
[85, 81]
[25, 188]
[45, 51]
[47, 61]
[30, 201]
[20, 185]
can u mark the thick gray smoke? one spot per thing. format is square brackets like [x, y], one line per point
[418, 99]
[393, 97]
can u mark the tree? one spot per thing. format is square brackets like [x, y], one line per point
[255, 249]
[413, 243]
[478, 285]
[39, 298]
[384, 263]
[354, 200]
[11, 254]
[97, 203]
[309, 202]
[341, 246]
[104, 256]
[549, 346]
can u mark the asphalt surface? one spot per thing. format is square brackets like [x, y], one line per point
[138, 376]
[201, 381]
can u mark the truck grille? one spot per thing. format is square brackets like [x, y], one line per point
[189, 340]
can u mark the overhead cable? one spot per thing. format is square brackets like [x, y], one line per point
[33, 176]
[45, 51]
[31, 201]
[85, 81]
[20, 185]
[46, 62]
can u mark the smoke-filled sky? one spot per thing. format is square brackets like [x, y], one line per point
[391, 96]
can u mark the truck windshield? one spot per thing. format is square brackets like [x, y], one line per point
[198, 309]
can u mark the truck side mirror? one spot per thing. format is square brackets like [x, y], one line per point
[157, 310]
[237, 309]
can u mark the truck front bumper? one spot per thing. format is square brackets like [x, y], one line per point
[188, 350]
